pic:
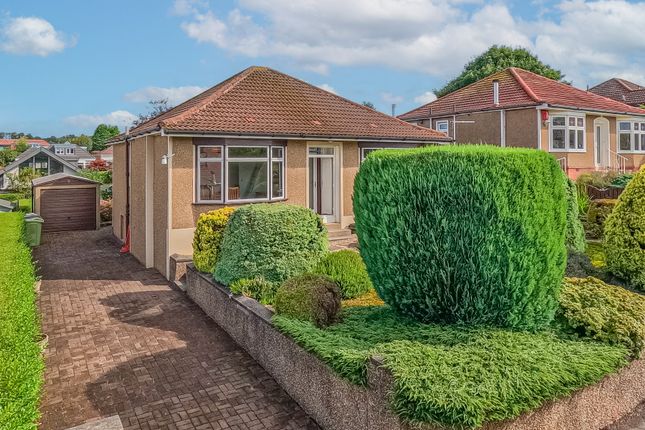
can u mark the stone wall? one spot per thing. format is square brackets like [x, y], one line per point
[340, 405]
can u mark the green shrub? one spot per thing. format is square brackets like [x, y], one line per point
[603, 312]
[272, 241]
[575, 236]
[348, 270]
[597, 214]
[21, 361]
[101, 176]
[621, 181]
[257, 288]
[625, 234]
[11, 197]
[468, 234]
[597, 179]
[455, 375]
[580, 265]
[583, 200]
[309, 297]
[208, 238]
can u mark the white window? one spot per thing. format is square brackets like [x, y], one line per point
[59, 151]
[631, 136]
[366, 151]
[567, 133]
[442, 126]
[239, 173]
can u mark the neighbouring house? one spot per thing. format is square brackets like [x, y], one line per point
[41, 160]
[105, 155]
[621, 90]
[6, 144]
[514, 107]
[259, 136]
[72, 153]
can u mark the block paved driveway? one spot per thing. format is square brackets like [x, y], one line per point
[122, 341]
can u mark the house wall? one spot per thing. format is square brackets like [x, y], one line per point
[119, 191]
[351, 163]
[486, 128]
[521, 128]
[160, 204]
[138, 199]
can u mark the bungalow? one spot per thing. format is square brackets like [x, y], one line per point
[74, 154]
[259, 136]
[40, 160]
[7, 144]
[514, 107]
[621, 90]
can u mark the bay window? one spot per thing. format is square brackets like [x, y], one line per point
[567, 133]
[631, 136]
[230, 174]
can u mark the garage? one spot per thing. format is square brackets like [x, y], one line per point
[66, 202]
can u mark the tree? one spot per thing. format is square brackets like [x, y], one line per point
[368, 104]
[155, 108]
[102, 133]
[20, 182]
[82, 140]
[21, 145]
[495, 59]
[7, 156]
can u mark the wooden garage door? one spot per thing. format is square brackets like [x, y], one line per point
[65, 209]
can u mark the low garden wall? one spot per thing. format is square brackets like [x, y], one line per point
[338, 404]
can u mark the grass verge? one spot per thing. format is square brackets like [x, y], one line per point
[457, 376]
[21, 363]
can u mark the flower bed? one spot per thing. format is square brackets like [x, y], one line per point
[21, 362]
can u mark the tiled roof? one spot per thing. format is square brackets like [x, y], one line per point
[621, 90]
[31, 152]
[518, 88]
[263, 102]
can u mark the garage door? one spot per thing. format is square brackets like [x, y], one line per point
[67, 209]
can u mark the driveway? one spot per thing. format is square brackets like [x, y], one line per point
[122, 342]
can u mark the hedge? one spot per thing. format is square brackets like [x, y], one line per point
[466, 234]
[272, 241]
[208, 237]
[575, 235]
[347, 269]
[610, 314]
[21, 361]
[625, 234]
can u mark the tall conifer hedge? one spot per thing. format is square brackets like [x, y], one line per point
[464, 234]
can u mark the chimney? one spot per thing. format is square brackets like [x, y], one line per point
[496, 92]
[393, 109]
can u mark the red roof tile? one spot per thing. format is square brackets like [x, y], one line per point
[518, 88]
[261, 101]
[12, 142]
[621, 90]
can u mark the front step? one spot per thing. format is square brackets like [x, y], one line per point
[335, 232]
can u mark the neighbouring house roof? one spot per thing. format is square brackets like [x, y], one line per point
[6, 205]
[57, 176]
[518, 88]
[260, 101]
[35, 151]
[621, 90]
[12, 142]
[79, 152]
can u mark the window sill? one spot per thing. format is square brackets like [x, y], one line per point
[238, 202]
[632, 152]
[568, 150]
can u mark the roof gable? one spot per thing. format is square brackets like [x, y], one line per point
[518, 88]
[263, 102]
[31, 152]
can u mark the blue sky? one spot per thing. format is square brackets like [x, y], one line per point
[67, 65]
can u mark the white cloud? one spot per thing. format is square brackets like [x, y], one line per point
[32, 36]
[121, 118]
[588, 40]
[328, 88]
[174, 95]
[425, 98]
[391, 98]
[187, 7]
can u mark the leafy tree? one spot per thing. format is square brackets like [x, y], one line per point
[82, 140]
[368, 104]
[155, 108]
[498, 58]
[20, 182]
[22, 145]
[102, 133]
[7, 156]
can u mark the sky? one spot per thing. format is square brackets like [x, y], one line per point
[68, 65]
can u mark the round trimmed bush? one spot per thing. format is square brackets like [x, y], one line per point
[625, 234]
[348, 270]
[464, 234]
[309, 297]
[575, 236]
[257, 288]
[208, 237]
[272, 241]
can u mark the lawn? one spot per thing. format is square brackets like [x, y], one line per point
[24, 205]
[455, 375]
[20, 356]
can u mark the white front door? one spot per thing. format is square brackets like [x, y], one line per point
[601, 143]
[323, 183]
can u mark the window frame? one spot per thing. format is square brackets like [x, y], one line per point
[226, 159]
[373, 148]
[443, 121]
[567, 128]
[635, 143]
